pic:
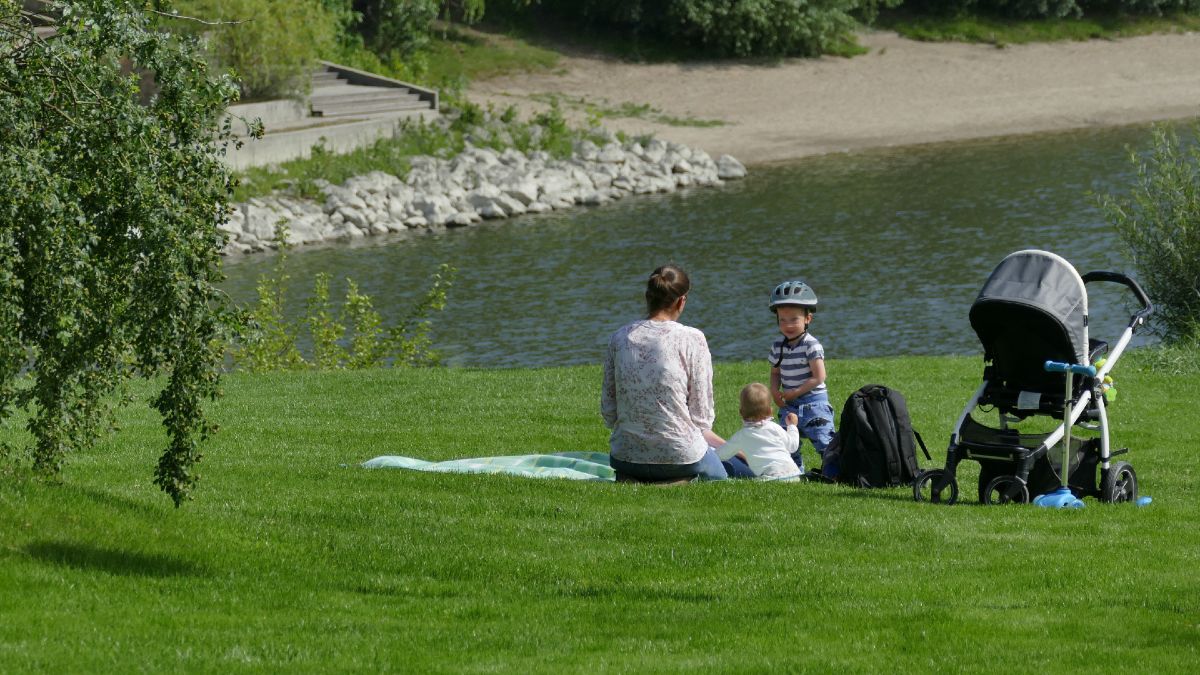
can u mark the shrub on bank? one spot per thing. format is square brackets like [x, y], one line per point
[1159, 222]
[351, 338]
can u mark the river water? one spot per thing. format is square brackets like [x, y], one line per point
[895, 242]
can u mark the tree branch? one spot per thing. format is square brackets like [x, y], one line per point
[198, 20]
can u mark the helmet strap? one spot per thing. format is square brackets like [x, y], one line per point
[789, 340]
[785, 342]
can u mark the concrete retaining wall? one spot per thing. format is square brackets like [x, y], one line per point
[342, 137]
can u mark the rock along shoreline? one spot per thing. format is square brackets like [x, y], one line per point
[477, 184]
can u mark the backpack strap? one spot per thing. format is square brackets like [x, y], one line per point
[921, 441]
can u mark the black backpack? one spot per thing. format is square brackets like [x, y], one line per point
[874, 443]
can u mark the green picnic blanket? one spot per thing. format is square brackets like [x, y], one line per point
[572, 465]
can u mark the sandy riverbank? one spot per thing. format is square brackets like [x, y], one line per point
[902, 92]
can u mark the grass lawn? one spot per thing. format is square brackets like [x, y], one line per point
[291, 557]
[1002, 31]
[458, 54]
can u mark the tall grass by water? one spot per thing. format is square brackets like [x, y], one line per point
[292, 557]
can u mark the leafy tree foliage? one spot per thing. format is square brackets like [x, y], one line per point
[111, 188]
[1159, 222]
[270, 46]
[400, 25]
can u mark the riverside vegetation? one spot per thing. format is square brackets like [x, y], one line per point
[420, 40]
[293, 557]
[353, 337]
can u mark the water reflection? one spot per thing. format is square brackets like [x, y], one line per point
[896, 243]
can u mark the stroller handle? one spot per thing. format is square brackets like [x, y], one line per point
[1078, 369]
[1118, 278]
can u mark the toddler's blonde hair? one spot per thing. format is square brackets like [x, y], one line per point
[755, 402]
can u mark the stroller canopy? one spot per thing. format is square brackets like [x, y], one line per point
[1045, 295]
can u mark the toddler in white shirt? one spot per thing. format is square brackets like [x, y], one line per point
[764, 446]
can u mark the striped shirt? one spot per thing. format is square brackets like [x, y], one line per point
[793, 359]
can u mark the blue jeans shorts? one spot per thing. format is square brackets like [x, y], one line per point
[816, 419]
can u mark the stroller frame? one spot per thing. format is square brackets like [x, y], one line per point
[1033, 309]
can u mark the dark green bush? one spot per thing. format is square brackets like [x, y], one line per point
[763, 27]
[718, 27]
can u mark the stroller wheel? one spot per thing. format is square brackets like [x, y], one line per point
[986, 474]
[927, 482]
[1119, 484]
[996, 492]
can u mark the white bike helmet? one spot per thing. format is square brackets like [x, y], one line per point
[793, 293]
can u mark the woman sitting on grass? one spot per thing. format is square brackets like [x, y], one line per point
[658, 395]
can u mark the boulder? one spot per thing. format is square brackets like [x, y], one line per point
[459, 220]
[594, 198]
[353, 217]
[586, 150]
[491, 210]
[524, 190]
[260, 222]
[655, 150]
[728, 167]
[436, 208]
[511, 206]
[611, 154]
[553, 182]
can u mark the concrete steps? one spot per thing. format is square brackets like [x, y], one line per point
[338, 91]
[348, 99]
[347, 109]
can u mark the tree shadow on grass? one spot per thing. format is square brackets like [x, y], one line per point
[122, 502]
[89, 557]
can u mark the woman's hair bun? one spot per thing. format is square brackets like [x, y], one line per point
[666, 285]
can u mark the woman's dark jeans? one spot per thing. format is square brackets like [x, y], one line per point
[708, 468]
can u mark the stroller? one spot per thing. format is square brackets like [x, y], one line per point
[1033, 309]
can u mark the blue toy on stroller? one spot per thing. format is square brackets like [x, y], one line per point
[1033, 309]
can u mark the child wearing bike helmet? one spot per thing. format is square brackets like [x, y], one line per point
[798, 370]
